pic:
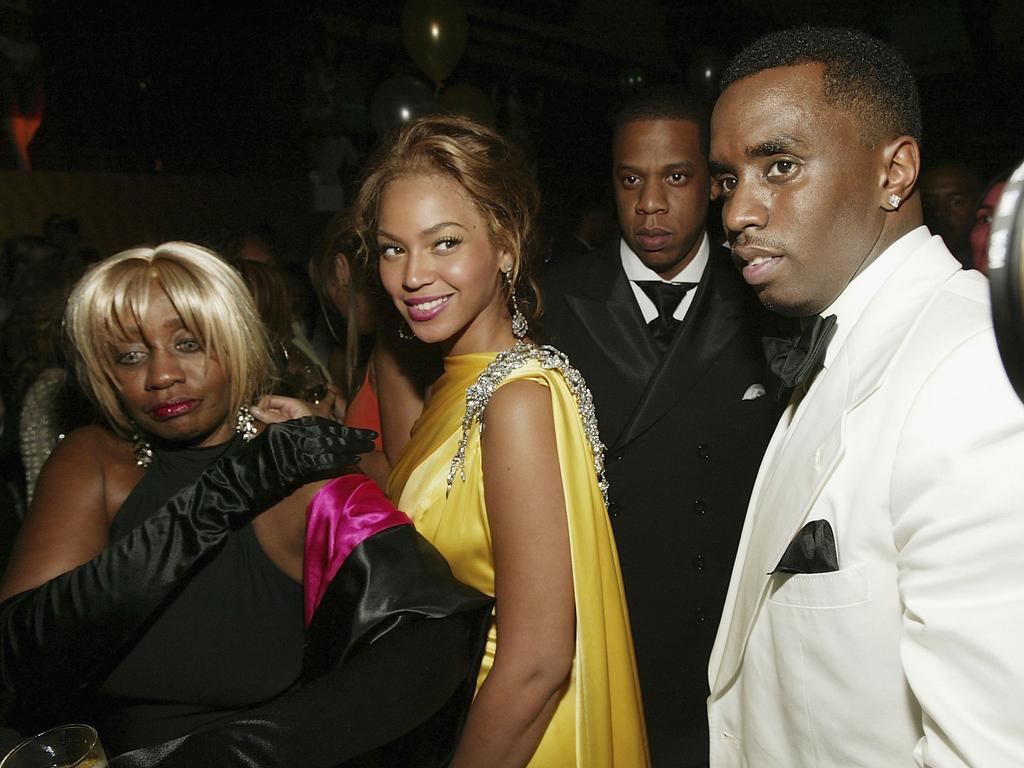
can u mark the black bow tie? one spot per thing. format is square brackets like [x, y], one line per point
[795, 360]
[666, 297]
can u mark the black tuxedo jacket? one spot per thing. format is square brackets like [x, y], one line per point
[683, 449]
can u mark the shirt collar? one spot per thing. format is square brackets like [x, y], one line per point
[854, 299]
[637, 270]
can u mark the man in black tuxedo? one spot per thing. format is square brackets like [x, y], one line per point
[664, 331]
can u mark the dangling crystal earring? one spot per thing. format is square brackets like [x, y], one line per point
[519, 325]
[245, 423]
[895, 200]
[404, 331]
[143, 450]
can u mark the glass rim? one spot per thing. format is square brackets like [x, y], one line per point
[94, 738]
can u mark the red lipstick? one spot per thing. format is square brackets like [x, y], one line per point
[172, 410]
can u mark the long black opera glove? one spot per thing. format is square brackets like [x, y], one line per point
[67, 633]
[389, 674]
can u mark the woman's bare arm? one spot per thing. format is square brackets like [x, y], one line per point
[86, 477]
[535, 608]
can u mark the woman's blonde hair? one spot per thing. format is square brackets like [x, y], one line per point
[490, 170]
[209, 296]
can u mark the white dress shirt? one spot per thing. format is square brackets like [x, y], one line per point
[636, 270]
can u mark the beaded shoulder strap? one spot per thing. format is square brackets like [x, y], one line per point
[479, 394]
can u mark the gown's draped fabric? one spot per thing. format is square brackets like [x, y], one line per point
[342, 514]
[599, 721]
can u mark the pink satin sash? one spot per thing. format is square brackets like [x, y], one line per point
[342, 515]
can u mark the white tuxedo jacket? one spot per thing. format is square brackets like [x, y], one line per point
[911, 445]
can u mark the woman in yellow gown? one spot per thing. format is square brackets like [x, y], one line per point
[518, 508]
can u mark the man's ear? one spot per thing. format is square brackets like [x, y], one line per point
[902, 163]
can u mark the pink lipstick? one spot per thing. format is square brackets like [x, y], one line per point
[426, 308]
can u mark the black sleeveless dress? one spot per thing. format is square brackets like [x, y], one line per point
[230, 639]
[222, 672]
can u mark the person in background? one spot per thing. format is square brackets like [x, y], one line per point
[983, 221]
[64, 231]
[262, 244]
[258, 243]
[383, 377]
[53, 405]
[41, 277]
[190, 586]
[590, 225]
[446, 214]
[666, 334]
[875, 609]
[296, 373]
[950, 190]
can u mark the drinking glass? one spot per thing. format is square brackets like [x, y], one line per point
[66, 746]
[305, 381]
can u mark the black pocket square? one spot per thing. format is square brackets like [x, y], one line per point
[813, 550]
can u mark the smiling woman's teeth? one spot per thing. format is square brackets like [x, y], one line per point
[428, 305]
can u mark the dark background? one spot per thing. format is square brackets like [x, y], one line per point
[224, 88]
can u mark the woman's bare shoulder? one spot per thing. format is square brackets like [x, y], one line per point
[90, 448]
[79, 490]
[94, 460]
[95, 437]
[521, 398]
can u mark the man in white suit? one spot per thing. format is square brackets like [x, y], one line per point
[875, 615]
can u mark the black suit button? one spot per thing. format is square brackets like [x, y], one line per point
[613, 509]
[618, 457]
[700, 616]
[698, 507]
[704, 451]
[698, 562]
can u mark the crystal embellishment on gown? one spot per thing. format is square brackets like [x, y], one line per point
[479, 394]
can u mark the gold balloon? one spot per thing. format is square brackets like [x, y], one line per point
[469, 101]
[435, 34]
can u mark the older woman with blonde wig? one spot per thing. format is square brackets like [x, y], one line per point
[190, 585]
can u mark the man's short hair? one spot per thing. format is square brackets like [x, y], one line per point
[663, 102]
[863, 75]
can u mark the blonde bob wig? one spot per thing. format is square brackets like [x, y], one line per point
[111, 300]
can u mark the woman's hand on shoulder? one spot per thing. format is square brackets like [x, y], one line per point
[273, 409]
[81, 486]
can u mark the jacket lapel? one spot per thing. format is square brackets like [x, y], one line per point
[799, 461]
[802, 456]
[715, 317]
[607, 309]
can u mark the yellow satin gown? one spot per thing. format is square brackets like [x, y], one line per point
[599, 721]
